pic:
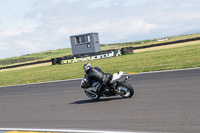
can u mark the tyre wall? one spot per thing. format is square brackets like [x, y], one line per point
[88, 57]
[99, 55]
[167, 43]
[25, 64]
[112, 53]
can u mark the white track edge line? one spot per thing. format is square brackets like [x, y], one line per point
[174, 70]
[66, 130]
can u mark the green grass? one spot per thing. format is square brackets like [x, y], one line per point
[38, 56]
[167, 59]
[67, 51]
[146, 42]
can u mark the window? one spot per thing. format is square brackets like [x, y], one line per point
[77, 40]
[82, 39]
[96, 38]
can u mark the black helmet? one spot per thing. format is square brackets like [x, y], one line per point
[86, 67]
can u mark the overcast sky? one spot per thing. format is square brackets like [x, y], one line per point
[30, 26]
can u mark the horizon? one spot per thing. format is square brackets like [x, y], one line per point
[105, 44]
[34, 26]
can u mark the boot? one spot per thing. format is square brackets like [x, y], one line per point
[100, 90]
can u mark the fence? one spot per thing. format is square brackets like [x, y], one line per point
[25, 64]
[167, 43]
[102, 54]
[19, 60]
[86, 57]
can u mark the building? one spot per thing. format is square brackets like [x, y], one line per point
[85, 43]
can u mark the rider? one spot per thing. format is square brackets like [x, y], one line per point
[95, 73]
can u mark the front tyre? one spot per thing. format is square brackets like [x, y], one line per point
[126, 89]
[91, 94]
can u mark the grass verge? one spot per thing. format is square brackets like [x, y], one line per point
[165, 59]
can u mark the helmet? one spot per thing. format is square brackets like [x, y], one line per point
[86, 67]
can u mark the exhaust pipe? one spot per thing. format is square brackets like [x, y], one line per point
[127, 79]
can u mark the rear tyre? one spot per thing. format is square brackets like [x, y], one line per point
[126, 89]
[92, 95]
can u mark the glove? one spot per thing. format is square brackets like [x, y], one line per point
[84, 83]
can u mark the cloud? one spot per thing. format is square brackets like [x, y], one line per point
[49, 24]
[99, 4]
[190, 3]
[17, 32]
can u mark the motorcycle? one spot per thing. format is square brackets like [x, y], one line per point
[114, 88]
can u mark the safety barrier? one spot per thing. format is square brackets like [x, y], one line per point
[167, 43]
[99, 55]
[19, 60]
[86, 57]
[25, 64]
[127, 50]
[105, 54]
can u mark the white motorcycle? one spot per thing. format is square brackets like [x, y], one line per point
[114, 88]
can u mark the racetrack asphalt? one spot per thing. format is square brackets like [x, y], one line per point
[163, 102]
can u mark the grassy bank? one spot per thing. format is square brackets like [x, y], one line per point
[147, 42]
[67, 51]
[164, 59]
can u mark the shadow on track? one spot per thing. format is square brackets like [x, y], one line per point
[96, 101]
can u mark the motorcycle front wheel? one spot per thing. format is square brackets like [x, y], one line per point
[92, 94]
[126, 89]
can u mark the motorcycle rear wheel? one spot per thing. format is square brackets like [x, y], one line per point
[126, 89]
[92, 96]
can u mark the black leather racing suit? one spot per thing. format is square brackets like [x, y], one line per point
[97, 74]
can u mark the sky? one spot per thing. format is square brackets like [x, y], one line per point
[31, 26]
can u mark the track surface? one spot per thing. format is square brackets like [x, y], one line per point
[163, 102]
